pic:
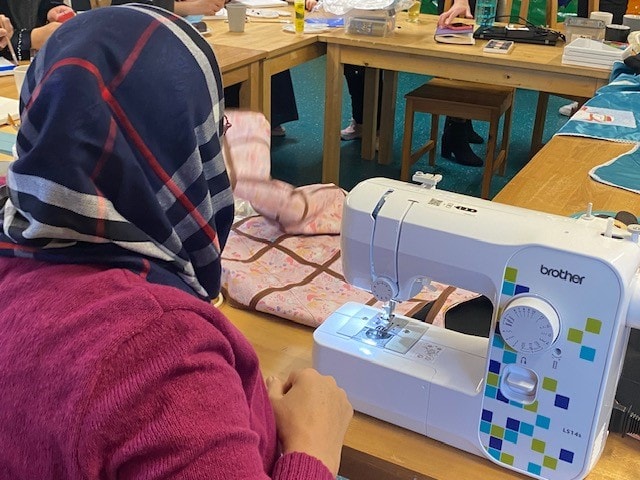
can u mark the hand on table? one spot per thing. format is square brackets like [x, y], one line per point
[312, 415]
[6, 31]
[309, 4]
[198, 7]
[459, 7]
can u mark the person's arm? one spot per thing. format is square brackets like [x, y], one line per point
[198, 7]
[459, 7]
[184, 398]
[166, 4]
[181, 7]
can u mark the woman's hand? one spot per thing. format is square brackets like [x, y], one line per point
[309, 4]
[55, 12]
[459, 7]
[198, 7]
[41, 34]
[6, 31]
[312, 415]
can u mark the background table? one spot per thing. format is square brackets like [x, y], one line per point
[412, 49]
[282, 50]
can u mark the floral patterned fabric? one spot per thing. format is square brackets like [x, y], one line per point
[300, 277]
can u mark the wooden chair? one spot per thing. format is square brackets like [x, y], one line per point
[468, 100]
[459, 99]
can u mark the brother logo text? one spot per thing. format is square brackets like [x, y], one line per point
[561, 274]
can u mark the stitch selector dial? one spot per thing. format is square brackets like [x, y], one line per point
[529, 324]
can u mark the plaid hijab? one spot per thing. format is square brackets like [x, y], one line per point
[119, 151]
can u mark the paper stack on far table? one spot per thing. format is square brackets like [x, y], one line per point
[593, 53]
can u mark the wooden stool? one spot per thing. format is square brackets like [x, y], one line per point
[471, 101]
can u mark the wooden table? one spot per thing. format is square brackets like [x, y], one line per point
[555, 181]
[375, 450]
[241, 65]
[412, 49]
[282, 50]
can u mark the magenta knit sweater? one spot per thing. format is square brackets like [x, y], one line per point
[104, 375]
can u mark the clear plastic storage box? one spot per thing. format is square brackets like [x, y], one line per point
[577, 27]
[377, 23]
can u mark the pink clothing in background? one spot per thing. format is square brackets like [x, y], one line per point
[104, 375]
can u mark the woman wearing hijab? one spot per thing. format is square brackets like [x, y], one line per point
[113, 363]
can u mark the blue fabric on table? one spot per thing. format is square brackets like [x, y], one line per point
[622, 93]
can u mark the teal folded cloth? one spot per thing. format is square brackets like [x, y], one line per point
[7, 141]
[613, 114]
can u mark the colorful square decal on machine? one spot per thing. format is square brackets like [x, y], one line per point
[509, 285]
[593, 326]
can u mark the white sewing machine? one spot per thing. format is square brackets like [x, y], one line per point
[536, 396]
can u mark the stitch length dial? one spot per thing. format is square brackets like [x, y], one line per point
[529, 324]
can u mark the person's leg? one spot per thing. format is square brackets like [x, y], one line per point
[354, 75]
[232, 96]
[454, 143]
[283, 102]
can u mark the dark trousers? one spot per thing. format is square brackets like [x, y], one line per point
[283, 99]
[354, 75]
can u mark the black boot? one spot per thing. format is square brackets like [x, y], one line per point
[472, 136]
[455, 145]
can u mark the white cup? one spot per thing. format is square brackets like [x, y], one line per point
[606, 17]
[237, 16]
[18, 75]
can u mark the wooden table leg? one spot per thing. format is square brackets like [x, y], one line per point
[387, 116]
[332, 116]
[370, 113]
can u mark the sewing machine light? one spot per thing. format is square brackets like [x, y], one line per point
[529, 324]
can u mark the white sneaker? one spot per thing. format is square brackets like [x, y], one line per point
[569, 109]
[352, 131]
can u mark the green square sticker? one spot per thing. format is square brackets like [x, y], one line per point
[593, 326]
[492, 379]
[506, 459]
[538, 445]
[574, 335]
[497, 431]
[510, 274]
[549, 462]
[549, 384]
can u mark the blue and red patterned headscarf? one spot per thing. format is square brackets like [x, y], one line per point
[119, 151]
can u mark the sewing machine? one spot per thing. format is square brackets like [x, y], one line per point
[534, 397]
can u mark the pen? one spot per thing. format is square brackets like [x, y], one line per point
[11, 50]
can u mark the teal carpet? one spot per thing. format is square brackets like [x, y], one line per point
[297, 157]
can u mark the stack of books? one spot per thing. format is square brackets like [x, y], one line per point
[593, 53]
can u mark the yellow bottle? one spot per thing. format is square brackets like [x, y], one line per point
[298, 16]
